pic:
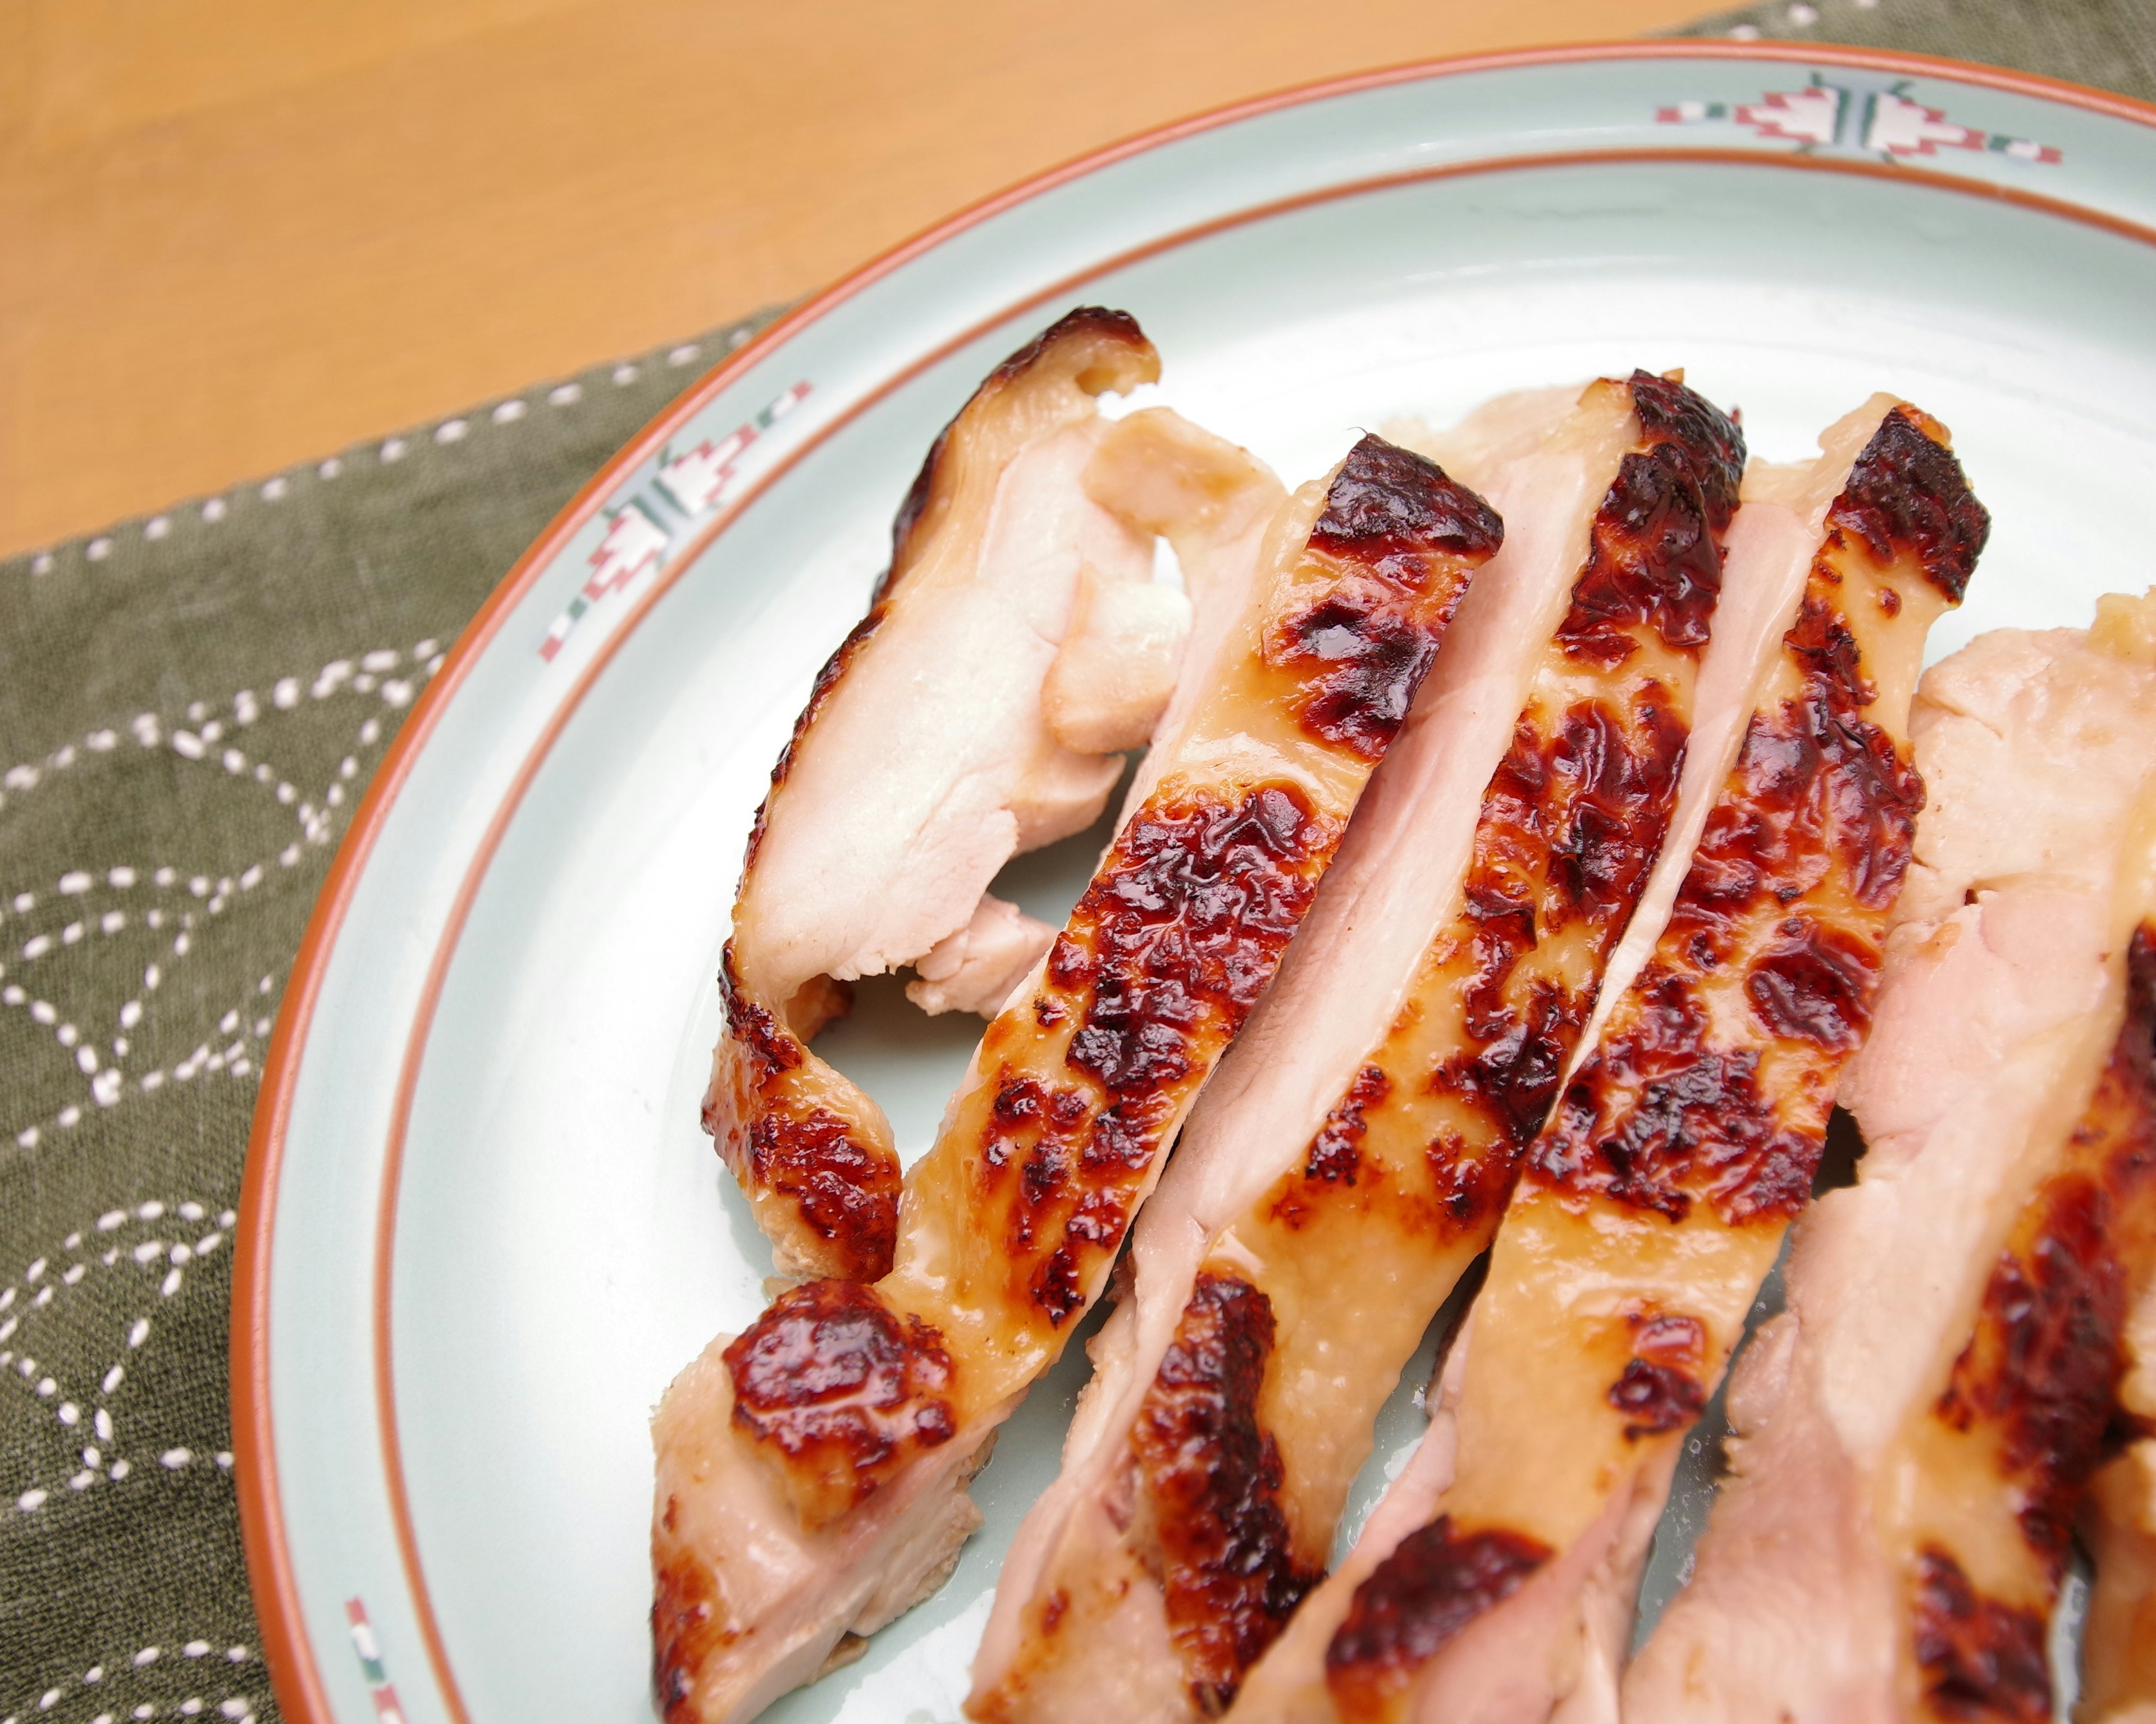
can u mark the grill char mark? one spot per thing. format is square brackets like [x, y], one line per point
[844, 1190]
[1415, 1603]
[1574, 816]
[1662, 1386]
[843, 1388]
[2039, 1376]
[1389, 507]
[1183, 927]
[1212, 1480]
[1336, 1152]
[1178, 933]
[1363, 648]
[688, 1625]
[1570, 827]
[1821, 805]
[1162, 960]
[1982, 1661]
[1906, 490]
[1655, 560]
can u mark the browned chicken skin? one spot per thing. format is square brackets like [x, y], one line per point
[1911, 1435]
[1191, 1519]
[811, 1470]
[1654, 1201]
[1018, 643]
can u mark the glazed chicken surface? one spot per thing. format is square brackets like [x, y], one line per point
[1544, 825]
[1017, 644]
[1308, 1228]
[1654, 1200]
[811, 1470]
[2118, 1526]
[1911, 1436]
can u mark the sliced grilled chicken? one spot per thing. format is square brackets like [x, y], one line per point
[1770, 548]
[811, 1470]
[2119, 1518]
[2118, 1525]
[1017, 644]
[1885, 1548]
[1654, 1201]
[1354, 1154]
[1988, 1477]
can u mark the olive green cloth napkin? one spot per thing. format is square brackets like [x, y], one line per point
[189, 707]
[2109, 43]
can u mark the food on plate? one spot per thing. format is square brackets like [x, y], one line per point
[2118, 1525]
[1352, 1157]
[1017, 644]
[811, 1471]
[1991, 1473]
[1909, 1433]
[1654, 1199]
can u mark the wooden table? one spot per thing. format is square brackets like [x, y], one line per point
[235, 235]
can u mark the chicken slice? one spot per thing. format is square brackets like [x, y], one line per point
[2004, 994]
[1976, 1526]
[1017, 644]
[2118, 1518]
[1654, 1201]
[811, 1470]
[1768, 550]
[2118, 1639]
[1307, 1232]
[980, 967]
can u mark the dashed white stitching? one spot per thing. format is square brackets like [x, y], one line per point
[237, 1707]
[373, 677]
[70, 1407]
[276, 487]
[151, 731]
[106, 1081]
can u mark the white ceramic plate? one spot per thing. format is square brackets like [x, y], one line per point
[481, 1228]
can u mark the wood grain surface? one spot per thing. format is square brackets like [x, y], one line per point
[238, 233]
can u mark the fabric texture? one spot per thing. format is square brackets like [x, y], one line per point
[2109, 43]
[190, 706]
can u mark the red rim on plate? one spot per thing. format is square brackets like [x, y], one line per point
[286, 1650]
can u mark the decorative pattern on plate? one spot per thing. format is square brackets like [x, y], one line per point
[686, 487]
[1852, 115]
[387, 1708]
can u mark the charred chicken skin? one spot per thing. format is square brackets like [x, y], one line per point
[811, 1470]
[1331, 1189]
[1913, 1436]
[1654, 1200]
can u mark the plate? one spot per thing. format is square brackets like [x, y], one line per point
[481, 1228]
